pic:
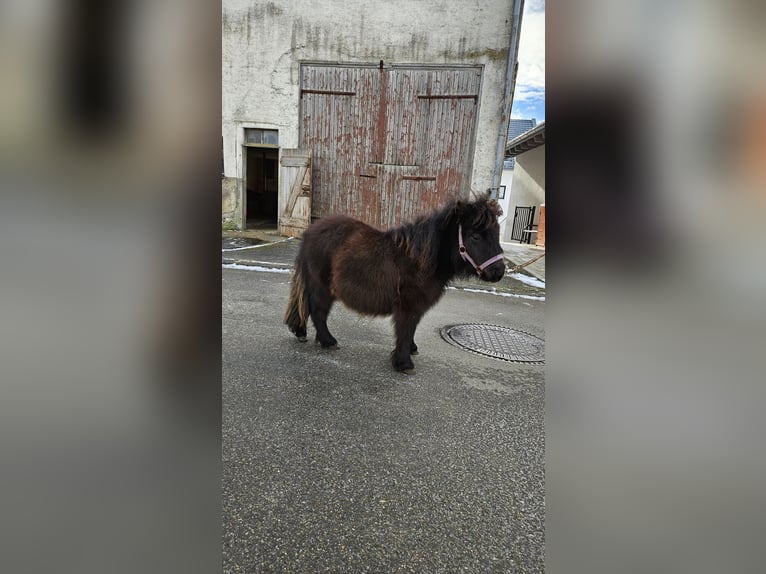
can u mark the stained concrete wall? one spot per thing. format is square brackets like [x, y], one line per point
[228, 198]
[528, 185]
[263, 44]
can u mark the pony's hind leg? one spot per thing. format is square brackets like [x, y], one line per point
[319, 308]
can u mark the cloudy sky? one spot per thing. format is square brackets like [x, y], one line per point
[529, 97]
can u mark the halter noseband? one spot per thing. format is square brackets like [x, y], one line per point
[466, 257]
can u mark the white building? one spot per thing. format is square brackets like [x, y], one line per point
[378, 110]
[516, 127]
[526, 182]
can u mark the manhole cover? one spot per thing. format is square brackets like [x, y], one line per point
[498, 342]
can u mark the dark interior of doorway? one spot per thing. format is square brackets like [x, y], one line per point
[261, 187]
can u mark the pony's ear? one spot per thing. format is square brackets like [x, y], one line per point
[460, 209]
[451, 214]
[464, 211]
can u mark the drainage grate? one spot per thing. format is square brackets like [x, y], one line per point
[497, 342]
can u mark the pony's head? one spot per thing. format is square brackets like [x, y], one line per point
[478, 239]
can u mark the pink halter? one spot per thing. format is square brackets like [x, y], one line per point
[466, 257]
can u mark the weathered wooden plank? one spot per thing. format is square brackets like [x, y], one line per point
[295, 191]
[299, 161]
[328, 92]
[473, 97]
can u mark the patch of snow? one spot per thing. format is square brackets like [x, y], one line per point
[255, 268]
[256, 246]
[528, 279]
[499, 293]
[263, 263]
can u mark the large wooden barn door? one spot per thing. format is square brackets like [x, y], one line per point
[339, 121]
[388, 142]
[295, 192]
[430, 121]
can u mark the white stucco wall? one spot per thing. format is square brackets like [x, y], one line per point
[506, 180]
[263, 44]
[527, 186]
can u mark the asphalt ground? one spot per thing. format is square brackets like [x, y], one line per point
[333, 462]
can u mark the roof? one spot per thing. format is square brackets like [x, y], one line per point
[526, 141]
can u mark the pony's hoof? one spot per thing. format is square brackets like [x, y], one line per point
[302, 339]
[331, 343]
[415, 352]
[408, 371]
[407, 367]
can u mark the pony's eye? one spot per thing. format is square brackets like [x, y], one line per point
[476, 235]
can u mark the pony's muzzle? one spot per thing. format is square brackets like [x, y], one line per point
[494, 272]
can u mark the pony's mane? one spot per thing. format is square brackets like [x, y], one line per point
[421, 239]
[486, 212]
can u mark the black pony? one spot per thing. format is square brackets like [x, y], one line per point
[401, 272]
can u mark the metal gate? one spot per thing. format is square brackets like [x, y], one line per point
[388, 142]
[523, 220]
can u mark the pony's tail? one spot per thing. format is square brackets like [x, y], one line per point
[297, 313]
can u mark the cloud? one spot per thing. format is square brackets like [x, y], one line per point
[528, 93]
[536, 110]
[530, 81]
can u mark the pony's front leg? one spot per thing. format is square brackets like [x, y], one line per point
[404, 326]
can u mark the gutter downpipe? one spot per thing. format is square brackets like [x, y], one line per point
[510, 86]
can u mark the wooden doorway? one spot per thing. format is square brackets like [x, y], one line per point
[261, 158]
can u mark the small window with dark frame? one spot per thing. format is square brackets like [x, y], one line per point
[261, 137]
[496, 192]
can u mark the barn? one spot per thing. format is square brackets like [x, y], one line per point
[377, 110]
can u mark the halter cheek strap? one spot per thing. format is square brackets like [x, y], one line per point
[467, 258]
